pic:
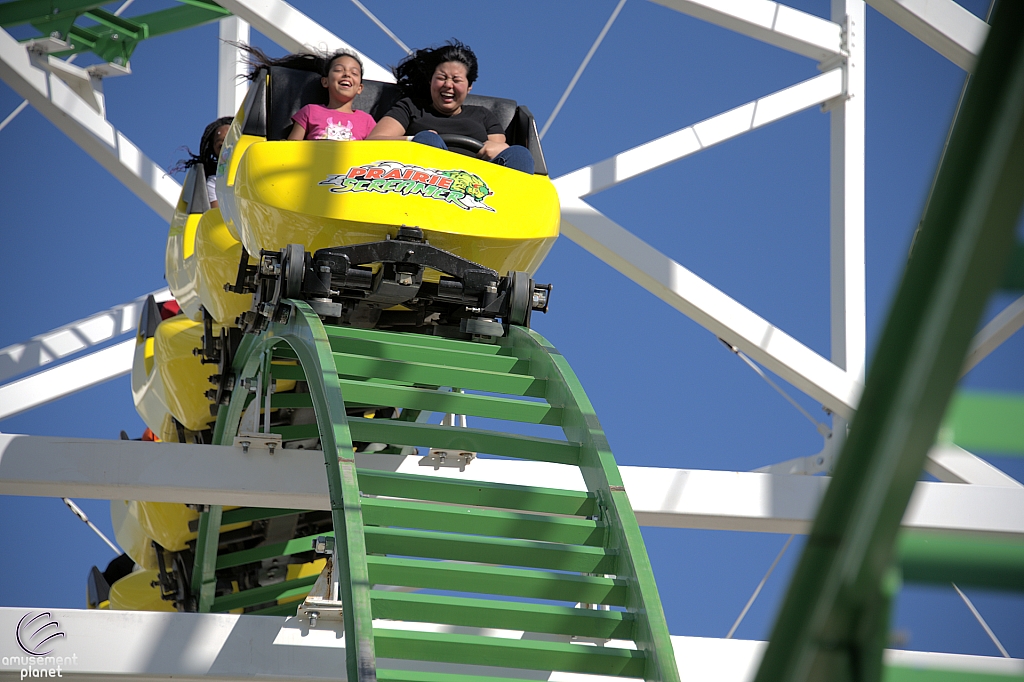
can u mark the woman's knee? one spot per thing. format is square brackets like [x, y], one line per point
[516, 157]
[429, 138]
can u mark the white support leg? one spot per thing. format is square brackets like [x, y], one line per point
[231, 67]
[81, 121]
[848, 307]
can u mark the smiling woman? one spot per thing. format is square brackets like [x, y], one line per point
[435, 82]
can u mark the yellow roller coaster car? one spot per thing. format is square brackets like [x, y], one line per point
[383, 233]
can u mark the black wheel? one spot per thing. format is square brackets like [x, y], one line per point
[520, 299]
[470, 144]
[293, 262]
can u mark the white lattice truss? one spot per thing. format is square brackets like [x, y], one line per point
[972, 497]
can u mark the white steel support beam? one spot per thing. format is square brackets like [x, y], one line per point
[77, 375]
[80, 120]
[670, 498]
[700, 136]
[709, 307]
[992, 335]
[231, 65]
[676, 285]
[771, 22]
[953, 464]
[147, 645]
[942, 25]
[846, 212]
[295, 32]
[73, 338]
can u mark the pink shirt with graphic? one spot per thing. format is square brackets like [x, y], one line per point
[322, 123]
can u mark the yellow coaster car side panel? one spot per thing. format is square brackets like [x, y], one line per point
[165, 522]
[136, 592]
[180, 261]
[130, 535]
[235, 146]
[185, 378]
[218, 254]
[321, 194]
[147, 387]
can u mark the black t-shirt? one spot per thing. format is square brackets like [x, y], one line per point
[472, 121]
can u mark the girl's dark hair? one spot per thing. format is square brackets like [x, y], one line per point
[413, 73]
[206, 155]
[317, 62]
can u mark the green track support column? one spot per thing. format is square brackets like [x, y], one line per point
[829, 626]
[307, 339]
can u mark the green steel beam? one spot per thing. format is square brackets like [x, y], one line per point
[446, 401]
[204, 579]
[179, 18]
[244, 514]
[287, 548]
[397, 432]
[474, 521]
[503, 551]
[986, 421]
[261, 595]
[35, 11]
[1013, 277]
[834, 620]
[509, 582]
[504, 496]
[898, 674]
[454, 355]
[350, 365]
[509, 653]
[964, 560]
[117, 37]
[417, 676]
[127, 27]
[484, 613]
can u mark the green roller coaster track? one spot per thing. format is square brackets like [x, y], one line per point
[534, 552]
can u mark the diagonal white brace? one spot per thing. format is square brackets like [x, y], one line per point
[698, 137]
[709, 307]
[942, 25]
[63, 380]
[295, 32]
[992, 335]
[73, 338]
[771, 22]
[80, 121]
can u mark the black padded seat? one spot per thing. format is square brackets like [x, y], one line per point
[197, 199]
[292, 89]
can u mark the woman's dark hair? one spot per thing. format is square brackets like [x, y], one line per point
[316, 62]
[206, 155]
[413, 73]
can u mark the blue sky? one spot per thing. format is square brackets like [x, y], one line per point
[750, 216]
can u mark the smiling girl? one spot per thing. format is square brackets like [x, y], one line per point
[341, 75]
[337, 120]
[435, 82]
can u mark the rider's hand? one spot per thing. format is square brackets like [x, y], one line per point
[491, 149]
